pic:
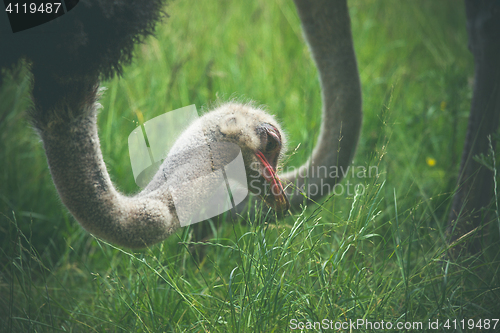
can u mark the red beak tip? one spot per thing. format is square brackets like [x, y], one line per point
[277, 199]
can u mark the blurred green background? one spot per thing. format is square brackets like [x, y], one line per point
[375, 256]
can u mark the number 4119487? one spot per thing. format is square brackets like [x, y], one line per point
[25, 8]
[471, 324]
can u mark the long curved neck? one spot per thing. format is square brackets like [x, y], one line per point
[80, 176]
[326, 26]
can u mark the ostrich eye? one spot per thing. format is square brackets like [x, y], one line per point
[271, 143]
[270, 138]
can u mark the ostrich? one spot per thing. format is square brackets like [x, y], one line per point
[66, 93]
[97, 37]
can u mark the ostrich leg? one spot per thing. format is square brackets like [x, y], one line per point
[327, 28]
[475, 181]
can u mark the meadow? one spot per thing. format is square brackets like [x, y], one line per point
[374, 255]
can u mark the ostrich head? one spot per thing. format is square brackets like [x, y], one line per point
[261, 141]
[223, 130]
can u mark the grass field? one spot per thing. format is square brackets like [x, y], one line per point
[377, 256]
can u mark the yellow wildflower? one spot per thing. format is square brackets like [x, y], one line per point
[443, 105]
[430, 161]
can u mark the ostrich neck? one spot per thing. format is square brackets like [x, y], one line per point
[80, 176]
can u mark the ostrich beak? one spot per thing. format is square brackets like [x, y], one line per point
[277, 198]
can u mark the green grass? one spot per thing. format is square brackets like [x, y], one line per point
[376, 256]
